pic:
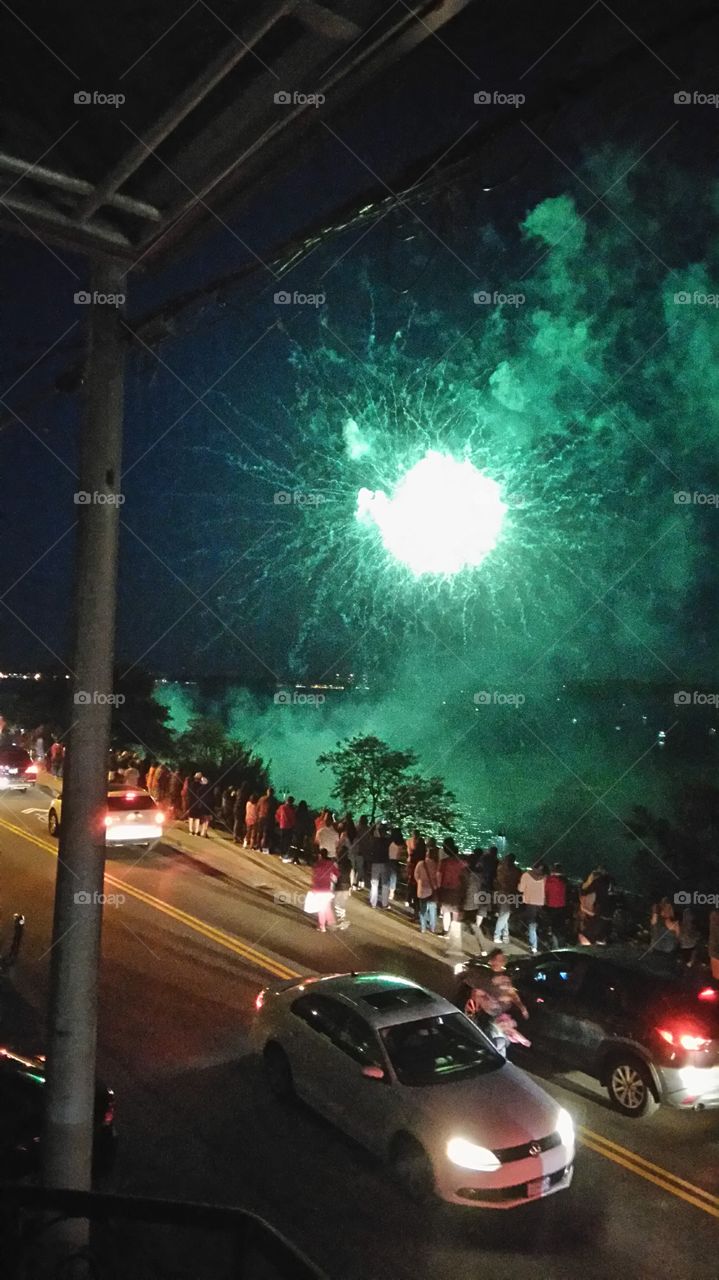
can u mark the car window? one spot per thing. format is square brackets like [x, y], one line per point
[320, 1013]
[357, 1039]
[603, 988]
[346, 1030]
[431, 1051]
[555, 977]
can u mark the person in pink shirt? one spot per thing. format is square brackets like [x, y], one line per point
[251, 822]
[324, 875]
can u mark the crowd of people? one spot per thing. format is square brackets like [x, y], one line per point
[462, 896]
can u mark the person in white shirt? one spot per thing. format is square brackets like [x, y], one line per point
[327, 838]
[531, 887]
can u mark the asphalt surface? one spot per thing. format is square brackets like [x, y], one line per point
[198, 928]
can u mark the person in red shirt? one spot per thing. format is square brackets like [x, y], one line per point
[555, 905]
[286, 818]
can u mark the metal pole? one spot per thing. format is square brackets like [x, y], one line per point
[75, 957]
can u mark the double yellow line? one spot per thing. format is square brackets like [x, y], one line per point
[662, 1178]
[218, 936]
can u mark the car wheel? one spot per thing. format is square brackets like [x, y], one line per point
[278, 1072]
[629, 1086]
[412, 1169]
[53, 825]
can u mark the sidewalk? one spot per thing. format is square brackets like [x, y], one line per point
[264, 871]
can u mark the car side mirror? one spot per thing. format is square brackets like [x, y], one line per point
[373, 1073]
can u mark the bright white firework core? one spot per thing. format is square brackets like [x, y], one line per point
[443, 515]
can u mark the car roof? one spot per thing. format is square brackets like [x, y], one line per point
[652, 966]
[382, 999]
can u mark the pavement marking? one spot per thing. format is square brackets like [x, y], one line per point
[218, 936]
[596, 1142]
[688, 1191]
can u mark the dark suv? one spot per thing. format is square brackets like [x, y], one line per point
[647, 1033]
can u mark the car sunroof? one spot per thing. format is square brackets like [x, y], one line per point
[397, 998]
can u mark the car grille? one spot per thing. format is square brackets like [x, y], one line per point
[508, 1154]
[497, 1194]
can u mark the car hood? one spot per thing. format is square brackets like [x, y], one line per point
[503, 1108]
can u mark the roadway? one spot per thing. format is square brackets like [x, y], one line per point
[196, 928]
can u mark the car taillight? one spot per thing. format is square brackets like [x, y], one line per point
[260, 1001]
[708, 993]
[684, 1040]
[159, 817]
[130, 795]
[32, 768]
[109, 819]
[109, 1115]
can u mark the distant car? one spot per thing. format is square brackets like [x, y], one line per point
[648, 1034]
[401, 1071]
[132, 818]
[22, 1081]
[18, 771]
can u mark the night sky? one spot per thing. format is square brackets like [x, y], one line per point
[592, 402]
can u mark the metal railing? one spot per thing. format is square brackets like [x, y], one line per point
[142, 1239]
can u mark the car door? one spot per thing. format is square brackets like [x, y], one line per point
[547, 988]
[364, 1106]
[597, 1010]
[312, 1028]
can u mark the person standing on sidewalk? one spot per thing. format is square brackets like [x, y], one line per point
[426, 877]
[286, 818]
[328, 837]
[416, 850]
[238, 816]
[379, 878]
[506, 895]
[555, 904]
[251, 822]
[531, 887]
[342, 884]
[266, 810]
[324, 876]
[302, 835]
[397, 850]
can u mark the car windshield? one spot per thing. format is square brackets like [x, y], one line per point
[133, 801]
[434, 1050]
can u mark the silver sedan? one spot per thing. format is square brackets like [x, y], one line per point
[403, 1072]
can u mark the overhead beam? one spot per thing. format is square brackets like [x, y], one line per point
[212, 75]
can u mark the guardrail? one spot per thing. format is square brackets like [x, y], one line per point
[133, 1237]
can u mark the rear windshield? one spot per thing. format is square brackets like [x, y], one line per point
[434, 1050]
[132, 801]
[14, 757]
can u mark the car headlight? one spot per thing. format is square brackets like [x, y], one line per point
[469, 1156]
[565, 1127]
